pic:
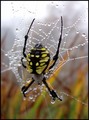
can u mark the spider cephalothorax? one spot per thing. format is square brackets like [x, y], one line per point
[38, 63]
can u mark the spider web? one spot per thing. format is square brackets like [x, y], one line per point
[47, 33]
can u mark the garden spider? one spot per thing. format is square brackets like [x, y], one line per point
[38, 63]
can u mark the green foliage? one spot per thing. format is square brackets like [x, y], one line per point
[14, 107]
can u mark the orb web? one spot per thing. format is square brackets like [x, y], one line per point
[47, 33]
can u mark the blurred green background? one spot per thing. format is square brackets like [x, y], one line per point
[73, 106]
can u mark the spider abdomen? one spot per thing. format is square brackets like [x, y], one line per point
[38, 59]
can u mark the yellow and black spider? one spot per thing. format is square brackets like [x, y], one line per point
[38, 63]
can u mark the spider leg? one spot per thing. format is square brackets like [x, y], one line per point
[57, 52]
[25, 87]
[50, 89]
[23, 63]
[26, 37]
[24, 48]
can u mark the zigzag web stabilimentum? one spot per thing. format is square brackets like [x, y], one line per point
[74, 45]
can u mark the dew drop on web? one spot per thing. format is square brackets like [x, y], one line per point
[77, 32]
[52, 101]
[30, 97]
[24, 98]
[83, 34]
[40, 29]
